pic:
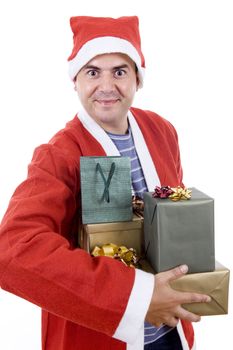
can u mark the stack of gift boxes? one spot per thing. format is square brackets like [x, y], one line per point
[172, 229]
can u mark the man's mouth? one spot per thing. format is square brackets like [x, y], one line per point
[107, 102]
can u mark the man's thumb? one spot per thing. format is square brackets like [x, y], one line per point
[177, 272]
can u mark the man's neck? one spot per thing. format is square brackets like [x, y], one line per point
[118, 129]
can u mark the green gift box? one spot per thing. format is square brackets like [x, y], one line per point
[105, 189]
[180, 232]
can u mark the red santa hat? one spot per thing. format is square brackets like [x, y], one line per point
[99, 35]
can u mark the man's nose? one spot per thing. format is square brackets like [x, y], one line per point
[107, 83]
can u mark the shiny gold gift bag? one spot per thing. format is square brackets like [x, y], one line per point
[128, 233]
[215, 284]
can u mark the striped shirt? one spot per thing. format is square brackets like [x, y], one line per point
[125, 145]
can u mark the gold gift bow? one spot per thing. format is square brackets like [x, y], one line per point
[122, 253]
[180, 193]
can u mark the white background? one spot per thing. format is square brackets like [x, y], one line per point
[188, 50]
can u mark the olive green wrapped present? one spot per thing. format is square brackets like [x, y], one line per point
[180, 232]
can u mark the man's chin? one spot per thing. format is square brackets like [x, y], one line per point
[106, 110]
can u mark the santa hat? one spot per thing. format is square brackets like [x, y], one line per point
[99, 35]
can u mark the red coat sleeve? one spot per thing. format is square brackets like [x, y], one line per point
[37, 261]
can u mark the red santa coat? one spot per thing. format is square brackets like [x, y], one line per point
[88, 303]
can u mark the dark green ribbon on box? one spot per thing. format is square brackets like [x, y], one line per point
[108, 181]
[105, 189]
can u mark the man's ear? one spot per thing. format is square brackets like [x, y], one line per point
[137, 82]
[74, 81]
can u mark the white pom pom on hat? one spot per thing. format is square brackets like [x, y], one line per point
[94, 36]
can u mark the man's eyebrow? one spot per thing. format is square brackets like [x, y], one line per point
[90, 67]
[120, 66]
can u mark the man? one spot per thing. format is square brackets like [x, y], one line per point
[95, 303]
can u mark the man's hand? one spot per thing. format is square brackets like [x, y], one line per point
[165, 306]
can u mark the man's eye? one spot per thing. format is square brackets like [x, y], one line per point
[92, 73]
[120, 72]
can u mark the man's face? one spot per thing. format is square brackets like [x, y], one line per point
[106, 86]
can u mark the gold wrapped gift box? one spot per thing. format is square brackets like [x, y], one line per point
[128, 233]
[215, 284]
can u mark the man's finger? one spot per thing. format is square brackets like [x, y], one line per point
[189, 316]
[194, 298]
[172, 321]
